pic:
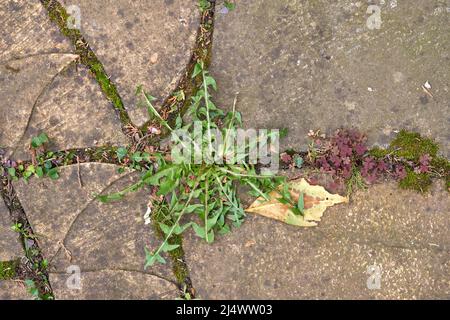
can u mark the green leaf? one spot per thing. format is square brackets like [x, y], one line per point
[121, 153]
[283, 132]
[12, 171]
[48, 164]
[165, 228]
[136, 156]
[150, 97]
[39, 172]
[193, 207]
[229, 5]
[180, 229]
[152, 258]
[39, 140]
[197, 70]
[169, 247]
[178, 122]
[163, 172]
[210, 238]
[199, 230]
[110, 197]
[301, 203]
[166, 187]
[211, 222]
[35, 142]
[298, 161]
[211, 82]
[53, 173]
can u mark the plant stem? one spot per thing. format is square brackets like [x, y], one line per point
[206, 208]
[208, 119]
[178, 219]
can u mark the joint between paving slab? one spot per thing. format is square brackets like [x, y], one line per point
[34, 257]
[58, 14]
[188, 85]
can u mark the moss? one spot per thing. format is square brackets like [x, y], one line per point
[179, 267]
[416, 181]
[408, 147]
[8, 269]
[411, 145]
[378, 152]
[442, 167]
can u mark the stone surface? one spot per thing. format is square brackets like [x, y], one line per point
[74, 113]
[22, 83]
[140, 43]
[13, 290]
[27, 31]
[77, 229]
[402, 232]
[40, 92]
[116, 285]
[316, 65]
[10, 247]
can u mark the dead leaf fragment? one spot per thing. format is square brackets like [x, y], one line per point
[316, 200]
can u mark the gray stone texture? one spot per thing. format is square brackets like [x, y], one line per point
[307, 65]
[140, 43]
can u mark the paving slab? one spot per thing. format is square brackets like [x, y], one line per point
[114, 285]
[74, 113]
[27, 31]
[13, 290]
[22, 82]
[307, 65]
[140, 43]
[11, 248]
[401, 235]
[40, 93]
[75, 229]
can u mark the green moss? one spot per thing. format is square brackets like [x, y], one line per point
[411, 145]
[416, 181]
[179, 267]
[442, 167]
[8, 269]
[408, 147]
[378, 152]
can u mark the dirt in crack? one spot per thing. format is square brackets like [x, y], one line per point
[33, 268]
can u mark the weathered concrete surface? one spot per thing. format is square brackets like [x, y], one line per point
[116, 285]
[27, 31]
[10, 247]
[22, 82]
[37, 91]
[402, 232]
[140, 42]
[316, 65]
[13, 290]
[74, 113]
[77, 229]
